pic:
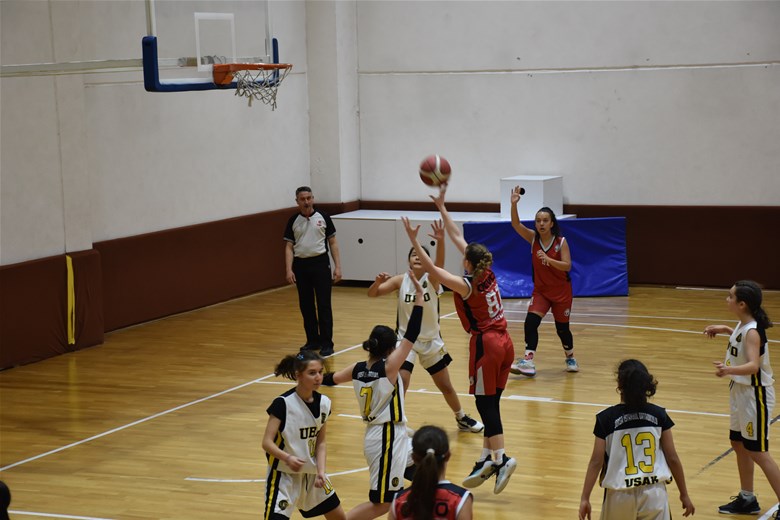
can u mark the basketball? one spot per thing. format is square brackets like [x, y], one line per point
[435, 170]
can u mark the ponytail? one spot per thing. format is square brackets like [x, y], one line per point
[430, 451]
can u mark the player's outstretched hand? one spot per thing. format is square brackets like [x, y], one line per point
[437, 232]
[514, 198]
[439, 201]
[713, 330]
[411, 231]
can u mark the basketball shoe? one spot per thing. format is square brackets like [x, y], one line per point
[741, 506]
[483, 470]
[571, 364]
[503, 472]
[524, 366]
[467, 424]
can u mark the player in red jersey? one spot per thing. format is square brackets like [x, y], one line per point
[431, 495]
[551, 262]
[491, 352]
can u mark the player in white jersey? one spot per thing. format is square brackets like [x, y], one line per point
[380, 396]
[634, 453]
[294, 442]
[429, 347]
[751, 393]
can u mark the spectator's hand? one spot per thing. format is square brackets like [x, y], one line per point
[290, 277]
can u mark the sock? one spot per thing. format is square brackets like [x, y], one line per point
[498, 455]
[569, 353]
[485, 454]
[460, 414]
[529, 354]
[746, 494]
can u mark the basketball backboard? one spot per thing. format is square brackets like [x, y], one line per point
[186, 37]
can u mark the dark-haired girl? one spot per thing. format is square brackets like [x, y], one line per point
[635, 454]
[380, 395]
[294, 442]
[431, 496]
[551, 262]
[491, 352]
[751, 393]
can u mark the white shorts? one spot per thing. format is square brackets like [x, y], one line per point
[646, 502]
[386, 448]
[751, 414]
[430, 353]
[287, 491]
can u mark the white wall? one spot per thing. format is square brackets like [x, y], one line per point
[633, 102]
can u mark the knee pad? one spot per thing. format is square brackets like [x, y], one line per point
[567, 340]
[487, 406]
[531, 326]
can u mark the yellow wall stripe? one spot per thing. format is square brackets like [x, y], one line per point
[71, 316]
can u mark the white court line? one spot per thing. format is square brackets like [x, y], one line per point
[251, 480]
[49, 515]
[149, 418]
[515, 397]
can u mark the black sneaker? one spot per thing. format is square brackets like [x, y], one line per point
[467, 424]
[326, 351]
[740, 506]
[483, 470]
[310, 346]
[503, 472]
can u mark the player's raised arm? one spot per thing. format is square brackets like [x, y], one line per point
[527, 234]
[452, 228]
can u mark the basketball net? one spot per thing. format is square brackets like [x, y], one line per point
[254, 81]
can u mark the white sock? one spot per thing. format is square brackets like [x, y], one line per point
[529, 353]
[460, 414]
[498, 455]
[485, 454]
[746, 494]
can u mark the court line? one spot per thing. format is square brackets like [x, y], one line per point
[55, 515]
[252, 480]
[149, 418]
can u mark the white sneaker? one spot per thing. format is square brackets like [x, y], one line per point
[503, 472]
[524, 366]
[571, 364]
[467, 424]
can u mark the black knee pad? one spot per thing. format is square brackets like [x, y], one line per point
[567, 340]
[532, 322]
[487, 406]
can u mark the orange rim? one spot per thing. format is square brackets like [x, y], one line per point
[223, 72]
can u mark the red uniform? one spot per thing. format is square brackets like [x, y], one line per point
[447, 504]
[552, 287]
[491, 351]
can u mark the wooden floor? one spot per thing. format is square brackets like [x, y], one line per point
[164, 421]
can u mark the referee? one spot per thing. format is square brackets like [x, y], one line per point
[309, 235]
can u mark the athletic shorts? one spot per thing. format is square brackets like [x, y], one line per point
[386, 448]
[646, 502]
[491, 354]
[286, 491]
[559, 303]
[751, 413]
[432, 354]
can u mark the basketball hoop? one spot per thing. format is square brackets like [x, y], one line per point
[253, 80]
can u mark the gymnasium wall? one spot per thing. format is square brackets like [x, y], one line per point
[647, 109]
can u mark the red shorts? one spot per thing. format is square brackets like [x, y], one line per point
[559, 303]
[490, 356]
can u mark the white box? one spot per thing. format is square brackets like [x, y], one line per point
[540, 191]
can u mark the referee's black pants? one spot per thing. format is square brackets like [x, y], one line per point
[314, 282]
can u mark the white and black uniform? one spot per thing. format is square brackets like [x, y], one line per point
[386, 445]
[301, 422]
[429, 347]
[752, 396]
[635, 471]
